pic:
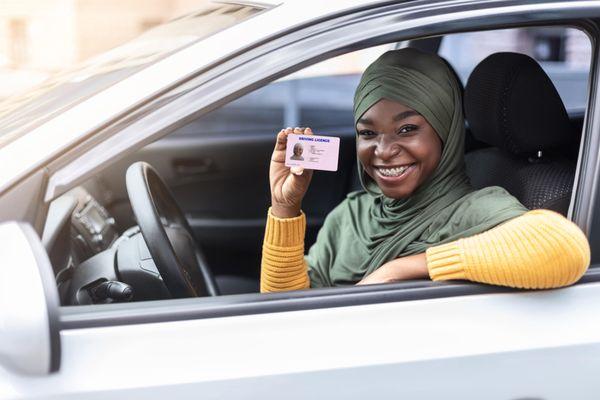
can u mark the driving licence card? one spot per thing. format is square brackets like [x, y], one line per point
[312, 152]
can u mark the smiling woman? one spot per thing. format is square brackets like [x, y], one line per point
[417, 216]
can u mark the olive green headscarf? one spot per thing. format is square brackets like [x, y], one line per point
[368, 229]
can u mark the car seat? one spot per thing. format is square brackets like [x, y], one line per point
[511, 105]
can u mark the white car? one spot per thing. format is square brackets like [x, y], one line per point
[93, 306]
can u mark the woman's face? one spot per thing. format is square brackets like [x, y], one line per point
[397, 148]
[298, 150]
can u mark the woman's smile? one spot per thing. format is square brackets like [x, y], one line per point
[394, 174]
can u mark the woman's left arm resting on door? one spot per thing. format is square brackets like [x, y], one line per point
[540, 249]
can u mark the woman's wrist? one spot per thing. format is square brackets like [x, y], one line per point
[400, 269]
[281, 211]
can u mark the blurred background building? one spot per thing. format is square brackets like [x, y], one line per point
[41, 37]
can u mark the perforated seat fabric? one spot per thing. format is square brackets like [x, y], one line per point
[536, 185]
[512, 105]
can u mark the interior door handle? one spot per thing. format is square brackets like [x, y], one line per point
[189, 167]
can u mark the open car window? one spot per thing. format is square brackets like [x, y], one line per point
[209, 161]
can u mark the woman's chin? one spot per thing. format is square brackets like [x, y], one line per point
[397, 194]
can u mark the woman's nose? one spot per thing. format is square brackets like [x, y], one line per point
[387, 149]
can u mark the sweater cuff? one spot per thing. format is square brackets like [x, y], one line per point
[445, 261]
[285, 232]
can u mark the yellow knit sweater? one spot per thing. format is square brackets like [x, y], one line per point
[540, 249]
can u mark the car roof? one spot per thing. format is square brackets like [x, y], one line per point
[318, 5]
[309, 9]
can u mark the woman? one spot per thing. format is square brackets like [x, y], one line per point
[417, 217]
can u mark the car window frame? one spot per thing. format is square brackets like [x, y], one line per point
[170, 310]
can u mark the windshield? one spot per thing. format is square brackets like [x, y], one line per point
[21, 113]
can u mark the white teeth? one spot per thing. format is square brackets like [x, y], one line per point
[393, 171]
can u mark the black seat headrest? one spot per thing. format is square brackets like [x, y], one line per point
[512, 104]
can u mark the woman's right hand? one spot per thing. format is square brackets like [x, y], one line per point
[288, 185]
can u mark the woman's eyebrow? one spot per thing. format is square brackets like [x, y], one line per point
[405, 114]
[364, 121]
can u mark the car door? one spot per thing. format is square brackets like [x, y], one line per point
[405, 343]
[411, 339]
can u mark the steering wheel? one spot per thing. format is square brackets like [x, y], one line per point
[168, 235]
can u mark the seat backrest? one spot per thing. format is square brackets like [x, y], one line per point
[511, 105]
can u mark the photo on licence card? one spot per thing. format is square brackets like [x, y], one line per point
[312, 152]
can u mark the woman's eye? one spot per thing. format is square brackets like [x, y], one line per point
[407, 128]
[366, 133]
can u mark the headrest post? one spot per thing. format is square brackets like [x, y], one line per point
[534, 159]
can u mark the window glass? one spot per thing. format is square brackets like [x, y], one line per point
[564, 53]
[21, 113]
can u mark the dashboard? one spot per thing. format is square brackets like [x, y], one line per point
[93, 229]
[81, 240]
[77, 227]
[98, 261]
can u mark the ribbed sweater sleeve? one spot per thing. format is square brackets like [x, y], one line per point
[283, 267]
[540, 249]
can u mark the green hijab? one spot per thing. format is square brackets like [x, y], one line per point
[368, 229]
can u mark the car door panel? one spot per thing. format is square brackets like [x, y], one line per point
[494, 346]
